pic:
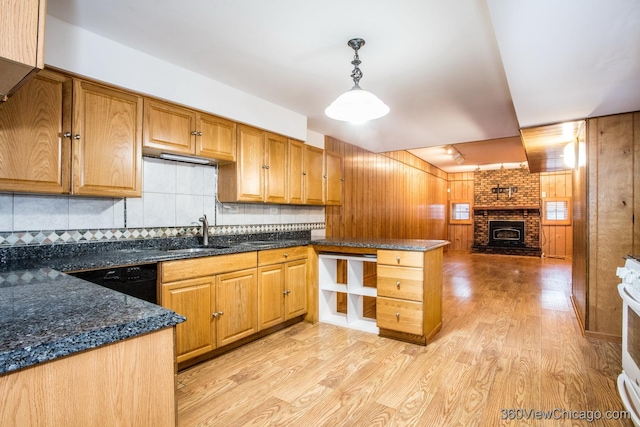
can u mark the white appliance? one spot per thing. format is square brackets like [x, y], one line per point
[629, 379]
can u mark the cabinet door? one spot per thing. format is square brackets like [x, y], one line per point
[236, 304]
[250, 164]
[168, 128]
[216, 138]
[276, 161]
[21, 42]
[193, 299]
[313, 163]
[34, 155]
[296, 288]
[271, 298]
[333, 179]
[296, 176]
[107, 141]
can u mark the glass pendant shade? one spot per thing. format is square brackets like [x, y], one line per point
[356, 106]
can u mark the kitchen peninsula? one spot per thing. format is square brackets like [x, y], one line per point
[401, 278]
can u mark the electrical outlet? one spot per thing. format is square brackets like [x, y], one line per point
[273, 210]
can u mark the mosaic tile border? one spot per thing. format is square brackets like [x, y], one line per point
[50, 237]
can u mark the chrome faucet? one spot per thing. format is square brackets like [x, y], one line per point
[205, 230]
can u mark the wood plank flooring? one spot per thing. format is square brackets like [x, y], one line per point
[509, 341]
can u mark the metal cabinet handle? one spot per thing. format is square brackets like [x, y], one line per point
[214, 314]
[217, 313]
[304, 173]
[398, 259]
[77, 136]
[67, 134]
[398, 285]
[199, 133]
[194, 133]
[286, 292]
[286, 255]
[398, 316]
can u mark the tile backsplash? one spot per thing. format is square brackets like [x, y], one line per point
[174, 196]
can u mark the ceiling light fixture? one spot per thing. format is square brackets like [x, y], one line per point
[356, 105]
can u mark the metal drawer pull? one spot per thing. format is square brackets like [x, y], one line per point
[398, 259]
[217, 313]
[398, 285]
[286, 255]
[398, 316]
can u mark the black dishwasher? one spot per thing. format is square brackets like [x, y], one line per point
[138, 281]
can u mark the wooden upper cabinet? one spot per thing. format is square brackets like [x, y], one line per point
[276, 162]
[34, 155]
[107, 141]
[168, 128]
[216, 138]
[295, 171]
[313, 172]
[333, 178]
[259, 173]
[21, 42]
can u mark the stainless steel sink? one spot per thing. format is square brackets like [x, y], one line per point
[259, 243]
[199, 249]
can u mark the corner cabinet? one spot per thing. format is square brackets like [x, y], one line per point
[260, 172]
[56, 123]
[333, 179]
[282, 285]
[174, 129]
[313, 160]
[21, 42]
[409, 294]
[217, 295]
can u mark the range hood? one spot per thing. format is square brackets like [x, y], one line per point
[549, 147]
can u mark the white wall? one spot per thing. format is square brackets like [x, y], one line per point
[174, 194]
[79, 51]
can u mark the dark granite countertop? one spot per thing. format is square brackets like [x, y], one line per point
[45, 314]
[394, 244]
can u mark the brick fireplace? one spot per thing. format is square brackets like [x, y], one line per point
[506, 212]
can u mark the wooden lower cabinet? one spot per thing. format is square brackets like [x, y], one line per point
[282, 285]
[236, 306]
[195, 300]
[409, 299]
[218, 295]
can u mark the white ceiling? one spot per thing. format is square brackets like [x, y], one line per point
[451, 71]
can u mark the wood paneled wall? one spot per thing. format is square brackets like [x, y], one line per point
[556, 240]
[395, 195]
[613, 177]
[461, 188]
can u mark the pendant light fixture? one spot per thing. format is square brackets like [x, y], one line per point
[356, 105]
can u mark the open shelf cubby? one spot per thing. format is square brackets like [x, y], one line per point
[347, 291]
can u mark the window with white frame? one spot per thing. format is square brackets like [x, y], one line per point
[556, 211]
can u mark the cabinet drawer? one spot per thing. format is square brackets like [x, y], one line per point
[272, 256]
[171, 271]
[400, 282]
[401, 258]
[399, 315]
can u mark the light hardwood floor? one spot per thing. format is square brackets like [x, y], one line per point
[509, 341]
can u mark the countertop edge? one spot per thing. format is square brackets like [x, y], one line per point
[15, 360]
